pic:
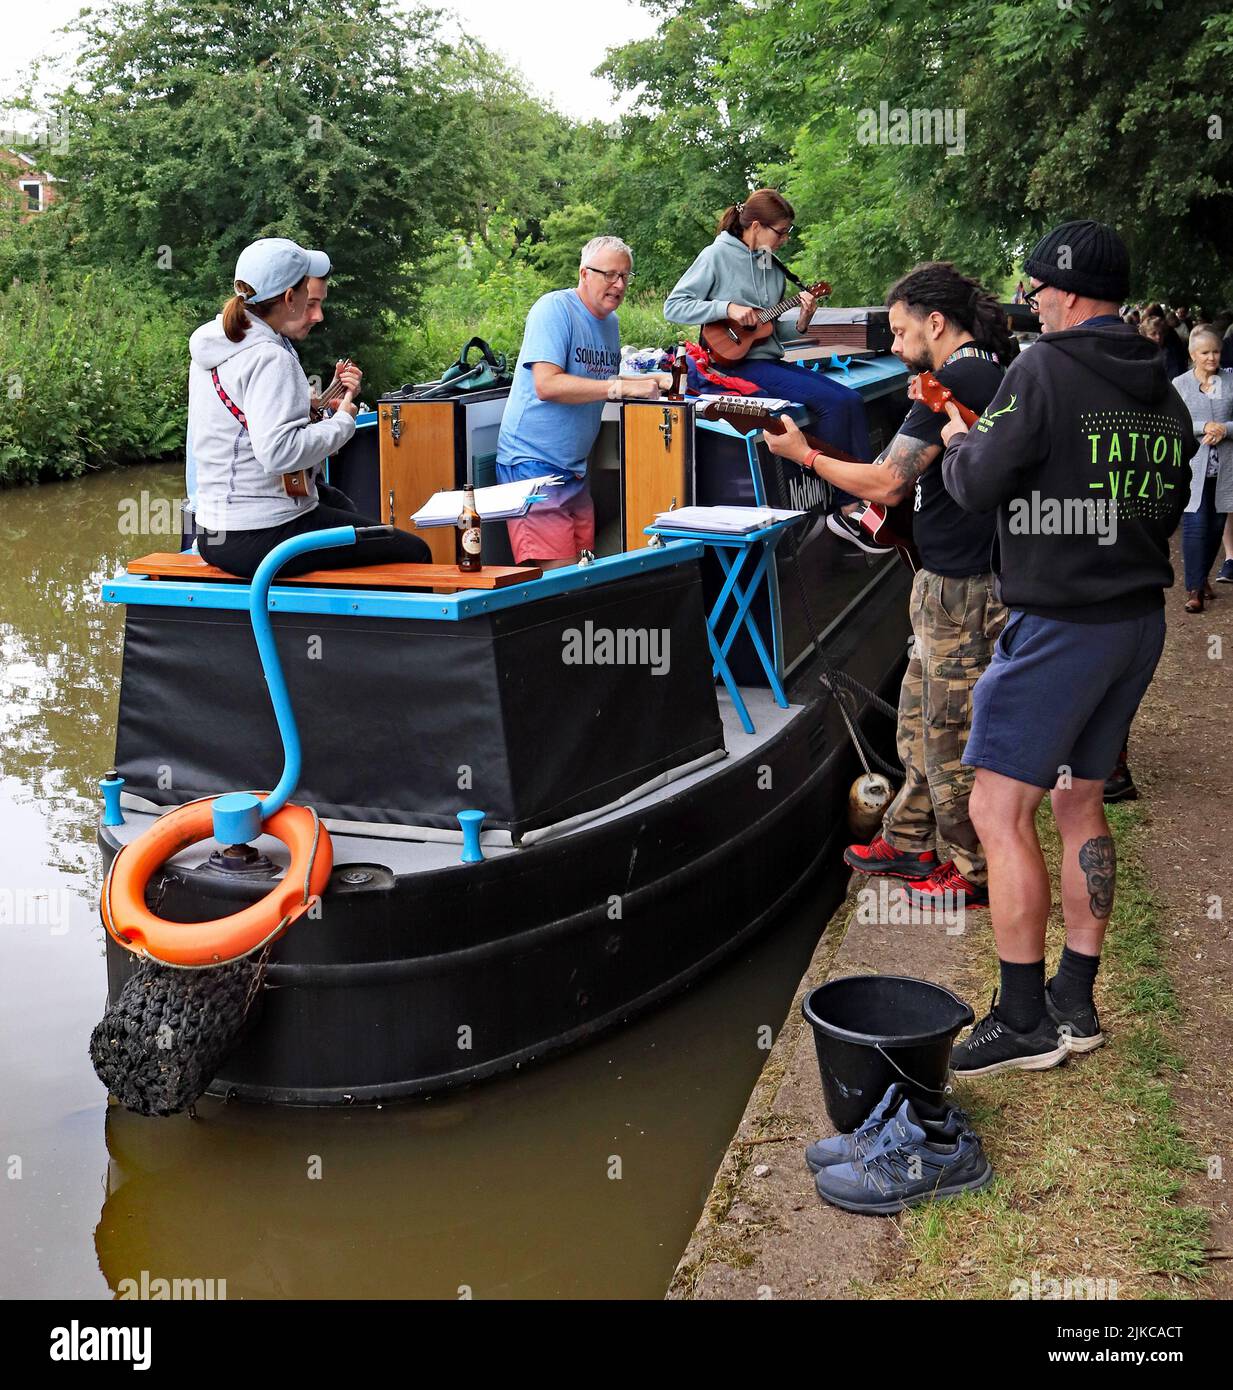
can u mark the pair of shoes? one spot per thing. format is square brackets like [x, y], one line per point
[993, 1045]
[946, 887]
[1120, 785]
[846, 1148]
[848, 528]
[877, 857]
[1194, 601]
[1226, 573]
[897, 1160]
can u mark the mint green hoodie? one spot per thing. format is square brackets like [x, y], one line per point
[728, 272]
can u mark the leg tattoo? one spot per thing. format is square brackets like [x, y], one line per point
[1098, 861]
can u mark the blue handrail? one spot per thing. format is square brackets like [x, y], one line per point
[263, 631]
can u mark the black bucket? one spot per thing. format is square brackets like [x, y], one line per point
[871, 1030]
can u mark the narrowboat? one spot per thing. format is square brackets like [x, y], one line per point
[641, 819]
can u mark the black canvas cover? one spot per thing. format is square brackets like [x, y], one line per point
[531, 714]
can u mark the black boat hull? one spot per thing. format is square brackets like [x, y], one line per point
[409, 984]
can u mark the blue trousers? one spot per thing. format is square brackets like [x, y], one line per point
[1201, 532]
[838, 410]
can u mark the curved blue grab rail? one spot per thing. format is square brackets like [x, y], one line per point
[238, 816]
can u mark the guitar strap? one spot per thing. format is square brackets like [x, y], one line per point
[788, 275]
[294, 484]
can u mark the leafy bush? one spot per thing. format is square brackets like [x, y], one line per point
[487, 290]
[91, 372]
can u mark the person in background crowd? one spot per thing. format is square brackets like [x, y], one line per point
[1019, 293]
[1155, 330]
[1207, 390]
[1184, 325]
[734, 277]
[1085, 631]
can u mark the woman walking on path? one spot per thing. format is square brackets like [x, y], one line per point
[1207, 390]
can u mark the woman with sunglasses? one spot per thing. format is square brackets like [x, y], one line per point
[734, 277]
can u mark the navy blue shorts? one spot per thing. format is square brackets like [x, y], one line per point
[1061, 695]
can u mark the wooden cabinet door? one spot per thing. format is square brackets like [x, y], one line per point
[654, 458]
[417, 459]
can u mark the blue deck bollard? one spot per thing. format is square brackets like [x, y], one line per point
[110, 786]
[471, 822]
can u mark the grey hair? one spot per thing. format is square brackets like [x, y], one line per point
[1204, 330]
[604, 243]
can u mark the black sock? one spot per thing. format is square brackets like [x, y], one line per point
[1021, 1000]
[1071, 987]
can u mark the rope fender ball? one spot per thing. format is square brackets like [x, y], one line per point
[162, 1041]
[197, 987]
[132, 925]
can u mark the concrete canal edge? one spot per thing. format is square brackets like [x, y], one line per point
[764, 1233]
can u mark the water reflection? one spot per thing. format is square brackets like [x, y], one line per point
[581, 1178]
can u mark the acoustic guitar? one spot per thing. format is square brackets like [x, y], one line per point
[728, 341]
[886, 526]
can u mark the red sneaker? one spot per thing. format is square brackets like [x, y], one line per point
[947, 887]
[878, 857]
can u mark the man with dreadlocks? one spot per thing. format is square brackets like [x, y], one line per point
[948, 324]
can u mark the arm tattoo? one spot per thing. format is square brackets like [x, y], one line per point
[907, 458]
[1098, 861]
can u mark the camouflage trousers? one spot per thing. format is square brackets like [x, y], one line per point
[955, 623]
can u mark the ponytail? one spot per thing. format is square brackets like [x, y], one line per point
[764, 205]
[937, 287]
[235, 321]
[236, 310]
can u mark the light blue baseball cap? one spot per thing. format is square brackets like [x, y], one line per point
[274, 264]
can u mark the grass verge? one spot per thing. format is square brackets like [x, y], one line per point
[1089, 1156]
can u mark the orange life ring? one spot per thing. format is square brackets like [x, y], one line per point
[131, 923]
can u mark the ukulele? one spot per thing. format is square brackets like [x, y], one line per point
[296, 484]
[728, 341]
[935, 396]
[887, 526]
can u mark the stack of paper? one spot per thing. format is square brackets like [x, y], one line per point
[730, 521]
[497, 503]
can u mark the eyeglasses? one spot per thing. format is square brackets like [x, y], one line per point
[611, 276]
[783, 231]
[1031, 298]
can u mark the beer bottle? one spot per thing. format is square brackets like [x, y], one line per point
[467, 540]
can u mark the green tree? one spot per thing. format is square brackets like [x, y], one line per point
[193, 128]
[1114, 109]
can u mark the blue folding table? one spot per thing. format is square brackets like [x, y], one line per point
[733, 551]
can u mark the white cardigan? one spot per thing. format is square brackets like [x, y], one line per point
[1215, 405]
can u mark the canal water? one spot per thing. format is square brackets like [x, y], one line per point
[582, 1177]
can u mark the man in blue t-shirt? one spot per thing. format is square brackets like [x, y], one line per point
[568, 367]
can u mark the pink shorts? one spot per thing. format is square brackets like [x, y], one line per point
[558, 532]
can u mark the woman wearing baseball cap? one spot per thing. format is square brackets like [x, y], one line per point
[250, 426]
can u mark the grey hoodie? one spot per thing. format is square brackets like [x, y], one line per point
[725, 272]
[238, 484]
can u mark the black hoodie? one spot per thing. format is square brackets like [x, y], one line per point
[1083, 418]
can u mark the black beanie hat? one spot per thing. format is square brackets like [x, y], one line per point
[1087, 258]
